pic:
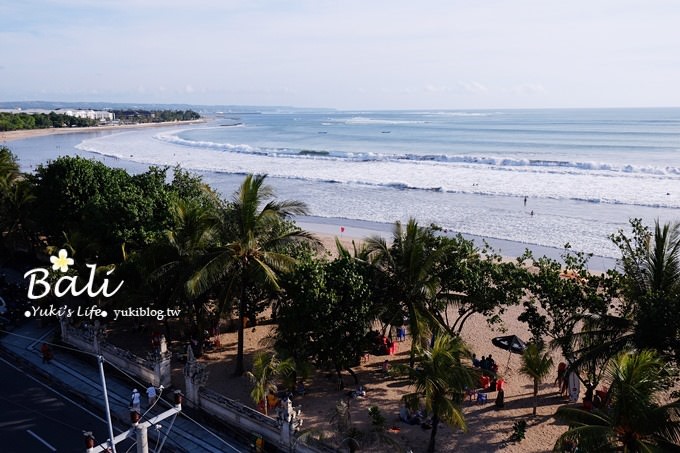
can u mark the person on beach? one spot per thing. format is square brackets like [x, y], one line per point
[483, 363]
[525, 201]
[386, 367]
[500, 399]
[560, 380]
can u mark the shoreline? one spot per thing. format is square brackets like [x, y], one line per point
[327, 229]
[9, 136]
[357, 229]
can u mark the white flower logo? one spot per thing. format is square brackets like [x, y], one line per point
[61, 262]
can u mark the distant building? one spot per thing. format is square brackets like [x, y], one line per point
[101, 115]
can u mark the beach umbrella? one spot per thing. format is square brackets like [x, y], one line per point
[510, 343]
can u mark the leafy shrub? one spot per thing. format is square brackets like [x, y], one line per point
[377, 418]
[519, 429]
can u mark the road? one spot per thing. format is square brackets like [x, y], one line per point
[35, 418]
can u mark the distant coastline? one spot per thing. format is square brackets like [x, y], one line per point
[9, 136]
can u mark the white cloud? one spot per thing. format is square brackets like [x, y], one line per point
[473, 87]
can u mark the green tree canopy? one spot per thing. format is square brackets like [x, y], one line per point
[633, 417]
[326, 314]
[107, 206]
[441, 380]
[254, 248]
[646, 313]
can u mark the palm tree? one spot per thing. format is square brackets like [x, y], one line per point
[633, 420]
[536, 364]
[9, 169]
[649, 316]
[410, 267]
[651, 261]
[16, 213]
[266, 368]
[184, 251]
[16, 200]
[440, 379]
[253, 253]
[652, 277]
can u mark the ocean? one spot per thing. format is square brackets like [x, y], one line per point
[521, 178]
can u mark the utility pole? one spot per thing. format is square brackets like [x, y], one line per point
[139, 430]
[100, 360]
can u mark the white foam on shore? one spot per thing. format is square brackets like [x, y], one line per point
[458, 177]
[469, 198]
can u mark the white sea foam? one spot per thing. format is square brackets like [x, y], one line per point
[496, 161]
[380, 121]
[579, 196]
[462, 176]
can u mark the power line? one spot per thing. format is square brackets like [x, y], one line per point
[184, 414]
[56, 345]
[133, 379]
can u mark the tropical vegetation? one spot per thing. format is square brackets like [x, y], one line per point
[439, 382]
[536, 363]
[267, 367]
[21, 121]
[633, 417]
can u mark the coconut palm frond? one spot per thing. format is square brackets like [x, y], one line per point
[633, 420]
[588, 438]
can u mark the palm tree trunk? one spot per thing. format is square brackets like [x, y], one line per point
[241, 314]
[433, 434]
[535, 395]
[415, 334]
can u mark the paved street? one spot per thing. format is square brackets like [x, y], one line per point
[24, 400]
[35, 418]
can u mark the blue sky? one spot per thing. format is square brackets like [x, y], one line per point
[366, 54]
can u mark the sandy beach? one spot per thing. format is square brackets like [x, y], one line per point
[489, 430]
[8, 136]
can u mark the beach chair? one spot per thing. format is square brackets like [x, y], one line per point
[481, 398]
